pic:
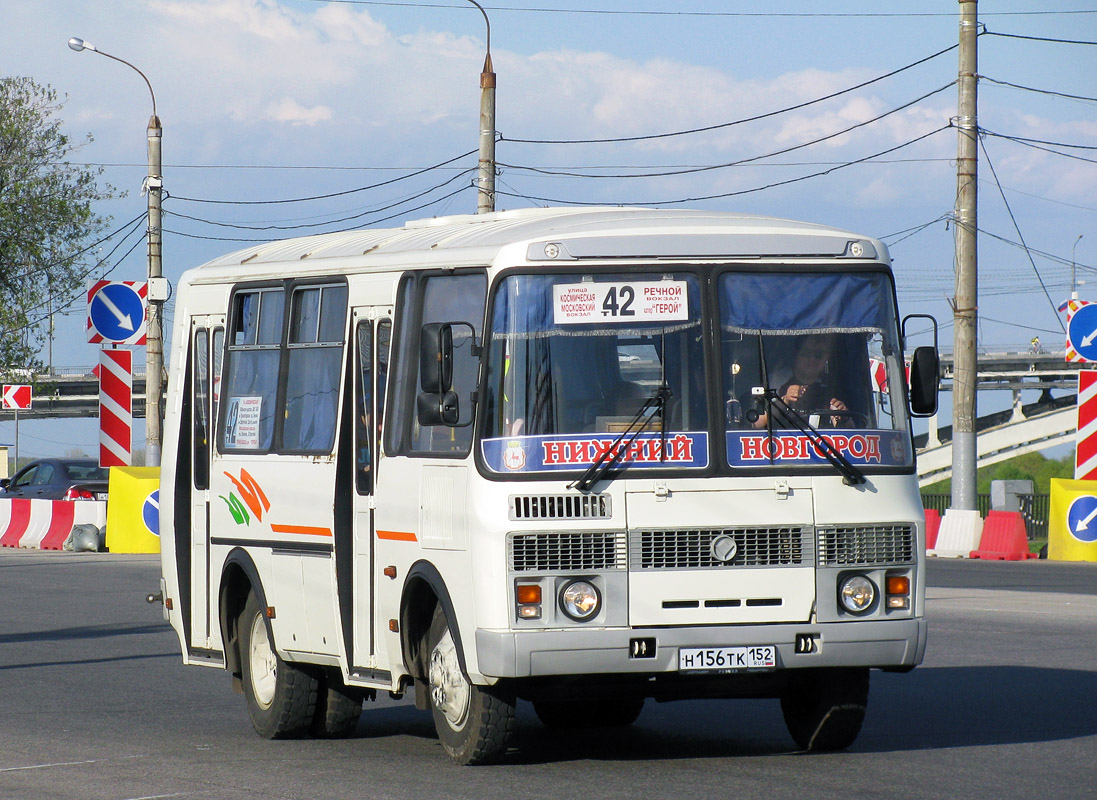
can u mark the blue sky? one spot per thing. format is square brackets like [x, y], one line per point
[283, 99]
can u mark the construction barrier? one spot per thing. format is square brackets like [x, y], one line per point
[960, 533]
[933, 527]
[1072, 521]
[133, 521]
[46, 524]
[1004, 538]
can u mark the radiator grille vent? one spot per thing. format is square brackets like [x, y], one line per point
[693, 549]
[850, 545]
[560, 506]
[563, 552]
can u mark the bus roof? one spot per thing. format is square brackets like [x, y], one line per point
[588, 233]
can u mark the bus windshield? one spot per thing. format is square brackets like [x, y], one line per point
[574, 358]
[814, 348]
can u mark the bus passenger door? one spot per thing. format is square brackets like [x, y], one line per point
[207, 346]
[372, 329]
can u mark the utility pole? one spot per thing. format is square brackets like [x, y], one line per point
[485, 181]
[965, 303]
[154, 351]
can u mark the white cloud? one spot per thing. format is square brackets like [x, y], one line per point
[289, 110]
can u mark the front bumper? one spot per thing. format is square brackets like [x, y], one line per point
[541, 653]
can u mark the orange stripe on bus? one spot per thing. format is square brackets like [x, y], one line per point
[306, 529]
[396, 536]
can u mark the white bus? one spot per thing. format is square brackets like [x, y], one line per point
[559, 455]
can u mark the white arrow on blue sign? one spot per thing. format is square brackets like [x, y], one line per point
[1082, 331]
[117, 312]
[150, 513]
[1082, 518]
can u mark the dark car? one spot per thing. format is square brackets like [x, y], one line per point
[58, 479]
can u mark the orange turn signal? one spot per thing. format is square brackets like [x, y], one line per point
[898, 584]
[529, 593]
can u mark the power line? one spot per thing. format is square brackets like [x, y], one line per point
[987, 32]
[1031, 143]
[721, 125]
[331, 194]
[1039, 91]
[783, 151]
[557, 201]
[641, 13]
[1017, 228]
[326, 222]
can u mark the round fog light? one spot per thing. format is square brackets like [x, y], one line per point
[580, 600]
[857, 594]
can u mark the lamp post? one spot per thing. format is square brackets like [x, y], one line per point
[485, 182]
[1073, 282]
[154, 351]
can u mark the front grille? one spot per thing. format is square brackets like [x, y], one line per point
[692, 549]
[563, 552]
[849, 545]
[560, 506]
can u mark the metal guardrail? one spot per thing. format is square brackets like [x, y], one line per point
[1035, 509]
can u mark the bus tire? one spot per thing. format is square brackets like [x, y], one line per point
[824, 708]
[594, 713]
[281, 697]
[338, 709]
[474, 723]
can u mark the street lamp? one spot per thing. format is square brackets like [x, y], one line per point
[485, 200]
[1073, 283]
[157, 286]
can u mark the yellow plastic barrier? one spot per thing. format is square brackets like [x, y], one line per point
[1072, 521]
[133, 510]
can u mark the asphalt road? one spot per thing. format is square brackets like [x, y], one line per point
[96, 705]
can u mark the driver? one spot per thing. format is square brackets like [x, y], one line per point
[808, 389]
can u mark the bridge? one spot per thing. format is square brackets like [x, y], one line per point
[1024, 428]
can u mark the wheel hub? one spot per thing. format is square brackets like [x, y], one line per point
[449, 690]
[263, 663]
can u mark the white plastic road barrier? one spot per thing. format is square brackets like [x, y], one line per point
[960, 533]
[46, 524]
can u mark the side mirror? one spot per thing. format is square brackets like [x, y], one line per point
[436, 358]
[438, 409]
[925, 381]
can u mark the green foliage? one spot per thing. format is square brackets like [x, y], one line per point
[46, 220]
[1033, 467]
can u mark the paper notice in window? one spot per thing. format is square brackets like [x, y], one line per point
[619, 303]
[242, 426]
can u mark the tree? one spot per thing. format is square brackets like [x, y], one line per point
[47, 221]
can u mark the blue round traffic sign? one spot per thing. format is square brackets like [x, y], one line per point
[150, 513]
[1082, 331]
[1082, 518]
[117, 312]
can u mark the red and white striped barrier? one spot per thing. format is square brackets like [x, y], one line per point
[46, 524]
[115, 408]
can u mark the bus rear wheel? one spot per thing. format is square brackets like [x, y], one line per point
[281, 697]
[338, 708]
[824, 708]
[474, 723]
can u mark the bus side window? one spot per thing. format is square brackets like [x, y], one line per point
[200, 408]
[315, 348]
[251, 374]
[363, 410]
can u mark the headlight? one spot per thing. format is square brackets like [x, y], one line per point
[857, 594]
[580, 600]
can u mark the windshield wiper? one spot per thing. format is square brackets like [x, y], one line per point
[615, 452]
[850, 474]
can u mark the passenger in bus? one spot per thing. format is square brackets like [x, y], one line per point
[807, 389]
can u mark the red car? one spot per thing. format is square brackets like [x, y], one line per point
[58, 479]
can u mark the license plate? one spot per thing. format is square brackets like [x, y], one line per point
[100, 495]
[722, 659]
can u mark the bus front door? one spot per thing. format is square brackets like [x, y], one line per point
[207, 346]
[372, 331]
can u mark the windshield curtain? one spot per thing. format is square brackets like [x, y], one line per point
[826, 346]
[573, 359]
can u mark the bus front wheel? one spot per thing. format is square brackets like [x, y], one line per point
[824, 708]
[474, 723]
[281, 697]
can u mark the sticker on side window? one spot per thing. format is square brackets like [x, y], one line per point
[656, 301]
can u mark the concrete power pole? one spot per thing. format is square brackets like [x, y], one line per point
[965, 309]
[485, 181]
[154, 353]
